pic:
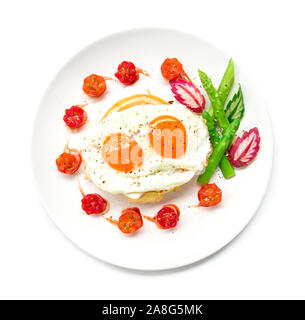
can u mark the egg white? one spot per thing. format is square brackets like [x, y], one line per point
[155, 173]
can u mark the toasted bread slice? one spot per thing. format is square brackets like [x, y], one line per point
[151, 196]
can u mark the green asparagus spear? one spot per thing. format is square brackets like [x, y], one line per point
[214, 135]
[219, 151]
[218, 109]
[225, 165]
[226, 83]
[223, 92]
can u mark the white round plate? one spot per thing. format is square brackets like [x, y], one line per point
[201, 231]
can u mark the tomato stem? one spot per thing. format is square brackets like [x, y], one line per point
[139, 70]
[81, 189]
[111, 220]
[151, 219]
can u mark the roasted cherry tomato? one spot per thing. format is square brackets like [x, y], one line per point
[168, 217]
[94, 203]
[94, 85]
[69, 161]
[171, 205]
[171, 69]
[127, 73]
[209, 195]
[75, 117]
[130, 220]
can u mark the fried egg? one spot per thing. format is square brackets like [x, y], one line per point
[146, 148]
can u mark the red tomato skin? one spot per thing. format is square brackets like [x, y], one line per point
[130, 220]
[167, 218]
[94, 204]
[69, 162]
[175, 208]
[94, 85]
[171, 69]
[75, 117]
[209, 195]
[127, 73]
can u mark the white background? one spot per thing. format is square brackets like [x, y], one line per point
[266, 261]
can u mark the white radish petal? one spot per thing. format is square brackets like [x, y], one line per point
[245, 149]
[187, 94]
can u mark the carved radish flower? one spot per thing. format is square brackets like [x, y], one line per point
[245, 149]
[186, 93]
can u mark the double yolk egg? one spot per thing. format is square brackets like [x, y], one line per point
[167, 136]
[146, 148]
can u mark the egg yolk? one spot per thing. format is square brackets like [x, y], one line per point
[168, 136]
[121, 152]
